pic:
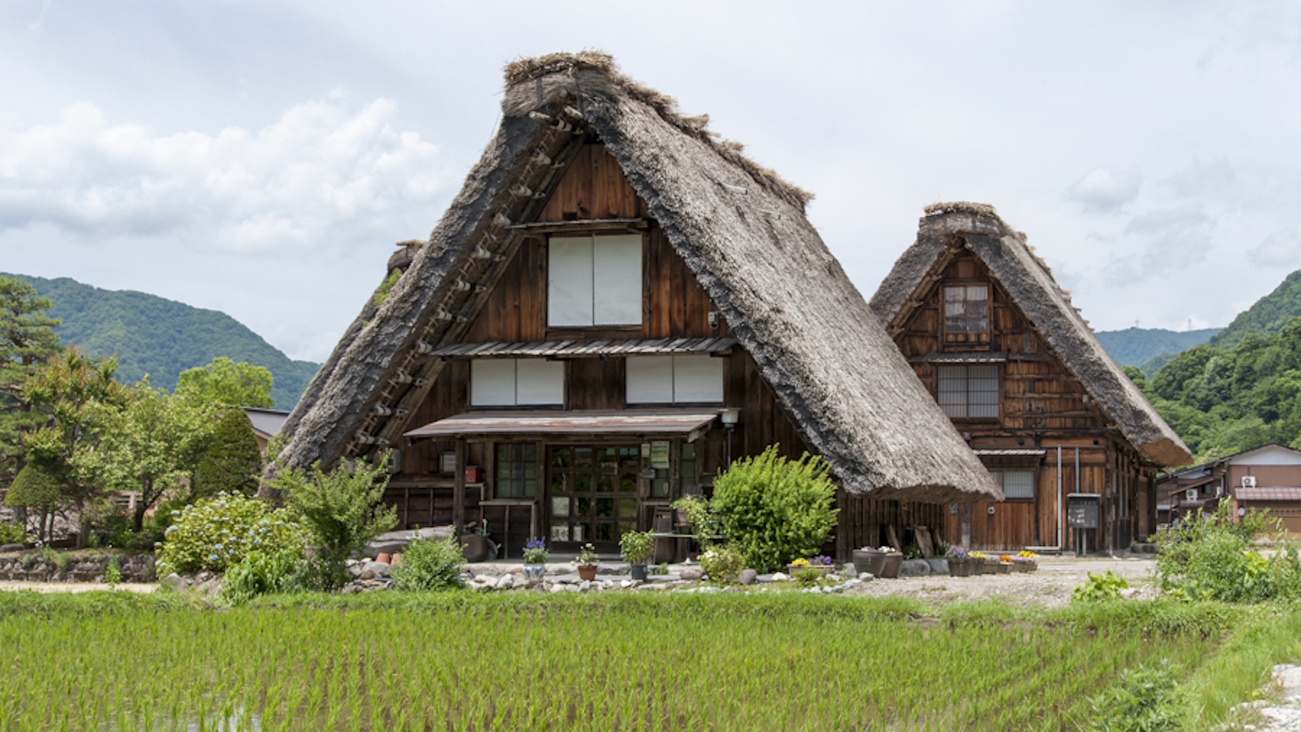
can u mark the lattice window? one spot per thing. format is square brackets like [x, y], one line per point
[966, 309]
[969, 391]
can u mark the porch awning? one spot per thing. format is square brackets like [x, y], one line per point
[580, 349]
[1271, 493]
[657, 422]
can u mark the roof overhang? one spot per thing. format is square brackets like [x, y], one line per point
[1271, 493]
[693, 423]
[582, 349]
[961, 357]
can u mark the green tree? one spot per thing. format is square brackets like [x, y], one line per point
[229, 459]
[344, 510]
[145, 445]
[38, 491]
[27, 340]
[71, 387]
[227, 383]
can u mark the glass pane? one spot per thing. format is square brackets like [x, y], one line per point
[561, 457]
[560, 533]
[628, 484]
[629, 458]
[560, 483]
[627, 508]
[605, 483]
[609, 457]
[954, 294]
[582, 506]
[1018, 484]
[625, 527]
[582, 483]
[605, 507]
[579, 533]
[528, 488]
[582, 457]
[659, 488]
[603, 532]
[559, 507]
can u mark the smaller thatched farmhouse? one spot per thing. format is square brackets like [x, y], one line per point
[1073, 443]
[616, 305]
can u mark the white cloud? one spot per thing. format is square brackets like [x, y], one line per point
[1280, 249]
[1106, 190]
[1202, 178]
[319, 176]
[1160, 242]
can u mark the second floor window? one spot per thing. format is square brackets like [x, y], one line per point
[511, 382]
[594, 280]
[966, 309]
[684, 379]
[969, 391]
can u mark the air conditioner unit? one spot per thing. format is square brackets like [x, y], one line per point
[1248, 481]
[1191, 495]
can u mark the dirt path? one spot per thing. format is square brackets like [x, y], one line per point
[1050, 586]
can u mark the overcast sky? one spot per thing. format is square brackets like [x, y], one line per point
[262, 157]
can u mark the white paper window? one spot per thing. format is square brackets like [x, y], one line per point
[509, 382]
[594, 280]
[674, 379]
[1017, 483]
[969, 392]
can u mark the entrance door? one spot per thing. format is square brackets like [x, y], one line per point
[593, 494]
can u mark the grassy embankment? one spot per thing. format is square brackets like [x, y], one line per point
[462, 661]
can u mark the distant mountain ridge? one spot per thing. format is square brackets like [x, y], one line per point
[160, 337]
[1267, 315]
[1139, 346]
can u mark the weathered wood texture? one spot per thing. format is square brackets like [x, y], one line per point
[593, 187]
[1041, 405]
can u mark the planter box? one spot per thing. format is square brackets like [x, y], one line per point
[962, 567]
[1025, 566]
[819, 568]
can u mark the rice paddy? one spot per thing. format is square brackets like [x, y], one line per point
[461, 661]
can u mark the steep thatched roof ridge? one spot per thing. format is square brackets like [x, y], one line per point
[520, 71]
[1031, 286]
[786, 299]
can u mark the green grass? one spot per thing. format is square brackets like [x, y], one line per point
[463, 661]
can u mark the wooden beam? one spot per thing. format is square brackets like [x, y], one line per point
[458, 495]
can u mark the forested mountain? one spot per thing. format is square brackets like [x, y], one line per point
[1224, 400]
[160, 337]
[1268, 315]
[1138, 346]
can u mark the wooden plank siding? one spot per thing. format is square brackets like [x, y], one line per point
[1042, 405]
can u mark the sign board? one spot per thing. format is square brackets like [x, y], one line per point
[659, 455]
[1082, 510]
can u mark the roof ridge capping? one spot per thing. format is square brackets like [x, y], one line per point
[557, 74]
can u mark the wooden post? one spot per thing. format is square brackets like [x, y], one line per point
[458, 489]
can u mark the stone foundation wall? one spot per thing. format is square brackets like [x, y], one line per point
[31, 567]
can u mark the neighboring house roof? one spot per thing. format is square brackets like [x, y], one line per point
[1271, 453]
[1272, 493]
[944, 231]
[739, 228]
[267, 422]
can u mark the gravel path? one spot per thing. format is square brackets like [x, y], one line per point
[48, 587]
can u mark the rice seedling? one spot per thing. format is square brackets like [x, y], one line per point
[593, 662]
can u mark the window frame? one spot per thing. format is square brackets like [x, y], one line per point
[966, 301]
[1000, 475]
[590, 295]
[967, 381]
[482, 401]
[528, 488]
[673, 377]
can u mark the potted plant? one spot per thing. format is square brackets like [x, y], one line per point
[892, 564]
[960, 564]
[635, 546]
[819, 565]
[535, 558]
[869, 560]
[587, 562]
[1025, 561]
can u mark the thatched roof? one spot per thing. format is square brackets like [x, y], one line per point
[739, 228]
[946, 229]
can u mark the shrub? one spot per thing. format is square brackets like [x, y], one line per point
[230, 460]
[430, 564]
[12, 533]
[1212, 559]
[773, 510]
[1145, 699]
[263, 573]
[219, 531]
[635, 546]
[342, 510]
[702, 517]
[723, 564]
[1099, 588]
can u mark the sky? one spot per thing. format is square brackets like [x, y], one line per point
[262, 157]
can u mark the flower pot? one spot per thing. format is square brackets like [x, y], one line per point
[866, 560]
[477, 548]
[397, 559]
[534, 572]
[639, 572]
[891, 566]
[383, 558]
[960, 567]
[587, 572]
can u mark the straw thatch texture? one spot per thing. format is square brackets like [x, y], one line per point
[741, 231]
[1030, 284]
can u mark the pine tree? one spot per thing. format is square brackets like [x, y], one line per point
[230, 460]
[27, 340]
